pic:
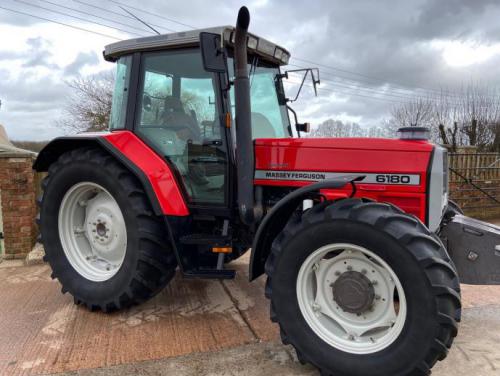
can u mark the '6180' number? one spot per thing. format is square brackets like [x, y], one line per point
[393, 179]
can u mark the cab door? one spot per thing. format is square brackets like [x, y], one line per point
[179, 116]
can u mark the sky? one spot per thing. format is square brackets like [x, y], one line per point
[372, 55]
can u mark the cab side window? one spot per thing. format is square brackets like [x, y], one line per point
[120, 93]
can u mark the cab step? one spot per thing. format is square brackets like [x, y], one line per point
[210, 274]
[205, 239]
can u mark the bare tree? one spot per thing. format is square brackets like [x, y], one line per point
[495, 130]
[467, 117]
[337, 128]
[89, 104]
[479, 109]
[416, 113]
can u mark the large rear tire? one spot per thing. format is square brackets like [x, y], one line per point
[360, 288]
[102, 240]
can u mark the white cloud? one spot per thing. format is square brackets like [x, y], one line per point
[465, 53]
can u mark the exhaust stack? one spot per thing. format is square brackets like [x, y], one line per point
[249, 213]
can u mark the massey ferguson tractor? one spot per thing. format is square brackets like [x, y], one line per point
[362, 250]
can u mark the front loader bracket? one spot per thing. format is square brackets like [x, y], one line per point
[474, 247]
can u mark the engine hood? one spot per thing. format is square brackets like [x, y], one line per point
[297, 162]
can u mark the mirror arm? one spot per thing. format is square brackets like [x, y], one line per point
[295, 116]
[304, 127]
[315, 81]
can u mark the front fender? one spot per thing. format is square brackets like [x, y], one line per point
[276, 219]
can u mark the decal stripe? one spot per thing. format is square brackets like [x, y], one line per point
[371, 178]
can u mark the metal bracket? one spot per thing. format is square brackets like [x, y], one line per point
[474, 247]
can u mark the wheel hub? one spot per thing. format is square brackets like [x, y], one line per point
[92, 231]
[101, 229]
[353, 292]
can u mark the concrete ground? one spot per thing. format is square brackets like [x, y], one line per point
[194, 327]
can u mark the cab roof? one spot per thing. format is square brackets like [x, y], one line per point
[191, 38]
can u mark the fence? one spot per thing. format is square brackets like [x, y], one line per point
[475, 182]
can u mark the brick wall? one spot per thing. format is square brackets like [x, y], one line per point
[17, 187]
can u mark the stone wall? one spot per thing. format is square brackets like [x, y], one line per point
[18, 193]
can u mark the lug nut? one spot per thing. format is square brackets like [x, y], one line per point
[349, 268]
[364, 271]
[337, 273]
[472, 256]
[374, 282]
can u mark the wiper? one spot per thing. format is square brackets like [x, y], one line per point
[253, 68]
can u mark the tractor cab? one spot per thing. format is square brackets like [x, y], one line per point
[183, 108]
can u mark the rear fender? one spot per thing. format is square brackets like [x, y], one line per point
[152, 171]
[275, 220]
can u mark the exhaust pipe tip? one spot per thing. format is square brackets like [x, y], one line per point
[243, 19]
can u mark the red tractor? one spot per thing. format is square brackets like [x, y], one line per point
[361, 248]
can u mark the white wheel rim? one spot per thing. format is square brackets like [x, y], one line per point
[371, 331]
[92, 231]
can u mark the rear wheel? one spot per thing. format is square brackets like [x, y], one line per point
[362, 288]
[101, 237]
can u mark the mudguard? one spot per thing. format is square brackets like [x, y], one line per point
[273, 222]
[153, 172]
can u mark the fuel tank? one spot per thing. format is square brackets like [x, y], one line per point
[395, 171]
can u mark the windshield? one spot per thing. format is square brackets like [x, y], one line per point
[269, 113]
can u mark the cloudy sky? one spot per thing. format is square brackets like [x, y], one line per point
[372, 55]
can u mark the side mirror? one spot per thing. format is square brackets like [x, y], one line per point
[146, 102]
[211, 53]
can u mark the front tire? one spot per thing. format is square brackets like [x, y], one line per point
[363, 289]
[102, 240]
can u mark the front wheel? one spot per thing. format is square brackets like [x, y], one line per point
[363, 289]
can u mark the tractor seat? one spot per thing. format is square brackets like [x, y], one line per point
[175, 117]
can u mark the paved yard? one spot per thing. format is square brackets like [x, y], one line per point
[194, 327]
